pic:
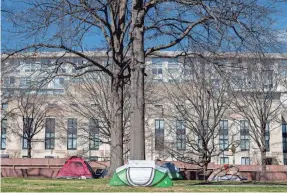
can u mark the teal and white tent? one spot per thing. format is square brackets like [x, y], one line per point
[141, 173]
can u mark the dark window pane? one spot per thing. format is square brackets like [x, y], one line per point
[180, 135]
[154, 70]
[244, 136]
[4, 106]
[223, 134]
[245, 161]
[50, 133]
[159, 134]
[3, 133]
[94, 134]
[12, 80]
[72, 133]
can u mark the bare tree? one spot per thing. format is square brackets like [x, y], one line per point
[206, 25]
[29, 118]
[257, 100]
[71, 23]
[90, 97]
[200, 99]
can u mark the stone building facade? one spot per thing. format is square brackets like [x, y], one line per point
[67, 132]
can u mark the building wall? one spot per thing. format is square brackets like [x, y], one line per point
[160, 70]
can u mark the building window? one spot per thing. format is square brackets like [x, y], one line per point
[50, 133]
[9, 81]
[285, 159]
[284, 137]
[72, 133]
[94, 134]
[57, 83]
[27, 129]
[25, 142]
[267, 136]
[6, 81]
[25, 82]
[4, 106]
[267, 76]
[49, 156]
[159, 134]
[224, 160]
[284, 128]
[180, 135]
[244, 136]
[30, 66]
[245, 161]
[12, 80]
[223, 135]
[3, 133]
[284, 144]
[94, 158]
[156, 71]
[157, 74]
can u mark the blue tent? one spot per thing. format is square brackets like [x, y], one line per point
[173, 171]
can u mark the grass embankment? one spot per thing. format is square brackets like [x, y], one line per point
[101, 185]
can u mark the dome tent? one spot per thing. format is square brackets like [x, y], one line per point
[227, 173]
[141, 173]
[172, 171]
[76, 167]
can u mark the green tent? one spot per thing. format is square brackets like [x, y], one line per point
[172, 171]
[141, 173]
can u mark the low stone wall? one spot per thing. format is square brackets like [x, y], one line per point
[21, 163]
[32, 172]
[267, 176]
[37, 167]
[49, 167]
[271, 168]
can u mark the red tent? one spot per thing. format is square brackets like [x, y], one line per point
[76, 167]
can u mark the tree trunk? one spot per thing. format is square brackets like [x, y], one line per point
[137, 149]
[263, 150]
[29, 144]
[205, 171]
[263, 160]
[116, 152]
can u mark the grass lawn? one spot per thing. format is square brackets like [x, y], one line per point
[101, 185]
